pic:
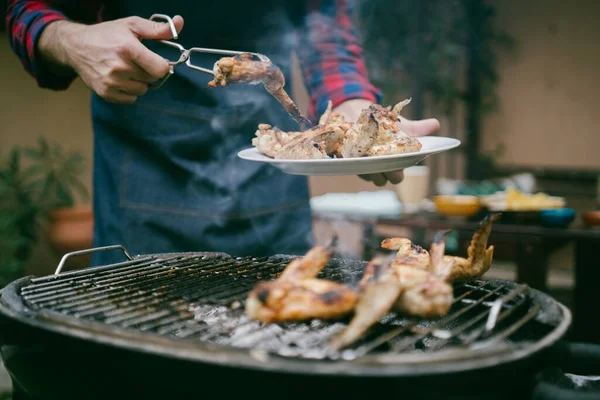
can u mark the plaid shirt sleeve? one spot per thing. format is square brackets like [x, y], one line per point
[331, 57]
[25, 22]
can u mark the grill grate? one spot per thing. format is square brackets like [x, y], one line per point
[201, 297]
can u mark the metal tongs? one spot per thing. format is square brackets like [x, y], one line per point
[186, 54]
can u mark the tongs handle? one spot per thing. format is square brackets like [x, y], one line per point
[182, 58]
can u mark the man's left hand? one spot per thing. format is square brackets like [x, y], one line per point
[351, 110]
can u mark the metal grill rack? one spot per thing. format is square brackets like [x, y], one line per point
[201, 297]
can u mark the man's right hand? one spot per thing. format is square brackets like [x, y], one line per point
[109, 56]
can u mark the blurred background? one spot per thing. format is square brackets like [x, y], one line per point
[515, 81]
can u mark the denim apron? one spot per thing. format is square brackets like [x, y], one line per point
[166, 173]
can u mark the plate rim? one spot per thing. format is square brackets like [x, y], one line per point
[456, 143]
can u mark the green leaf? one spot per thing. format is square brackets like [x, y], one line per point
[80, 187]
[32, 153]
[15, 160]
[43, 144]
[32, 172]
[64, 195]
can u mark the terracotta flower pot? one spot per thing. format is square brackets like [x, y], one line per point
[71, 229]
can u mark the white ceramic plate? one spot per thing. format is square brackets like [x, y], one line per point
[356, 166]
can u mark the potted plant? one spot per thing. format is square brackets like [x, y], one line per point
[38, 188]
[56, 176]
[19, 212]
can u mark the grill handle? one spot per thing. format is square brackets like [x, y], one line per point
[88, 251]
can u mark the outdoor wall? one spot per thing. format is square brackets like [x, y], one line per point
[550, 90]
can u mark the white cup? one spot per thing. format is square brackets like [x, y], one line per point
[414, 188]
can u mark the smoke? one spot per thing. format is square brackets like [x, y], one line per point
[293, 36]
[350, 235]
[251, 105]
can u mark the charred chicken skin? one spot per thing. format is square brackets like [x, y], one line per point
[297, 295]
[286, 300]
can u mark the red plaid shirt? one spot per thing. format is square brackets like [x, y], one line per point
[331, 57]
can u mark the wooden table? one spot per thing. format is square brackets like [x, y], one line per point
[534, 245]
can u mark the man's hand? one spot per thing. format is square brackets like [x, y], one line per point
[109, 56]
[351, 110]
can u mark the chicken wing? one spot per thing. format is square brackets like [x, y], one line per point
[406, 286]
[311, 264]
[391, 139]
[378, 132]
[297, 295]
[380, 290]
[426, 292]
[408, 254]
[320, 142]
[297, 300]
[270, 140]
[360, 136]
[456, 269]
[479, 255]
[243, 69]
[431, 298]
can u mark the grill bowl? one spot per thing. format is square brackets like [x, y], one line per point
[33, 309]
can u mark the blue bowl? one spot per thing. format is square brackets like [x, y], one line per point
[557, 217]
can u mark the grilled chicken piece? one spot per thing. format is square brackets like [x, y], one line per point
[292, 109]
[243, 69]
[380, 292]
[332, 117]
[426, 291]
[438, 264]
[378, 132]
[270, 140]
[405, 286]
[390, 138]
[319, 142]
[297, 300]
[408, 253]
[322, 141]
[297, 295]
[455, 269]
[479, 255]
[361, 135]
[310, 265]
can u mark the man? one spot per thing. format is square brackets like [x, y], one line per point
[166, 174]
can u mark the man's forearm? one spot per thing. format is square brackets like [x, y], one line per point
[54, 45]
[26, 23]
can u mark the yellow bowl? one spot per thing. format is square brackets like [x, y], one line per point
[457, 206]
